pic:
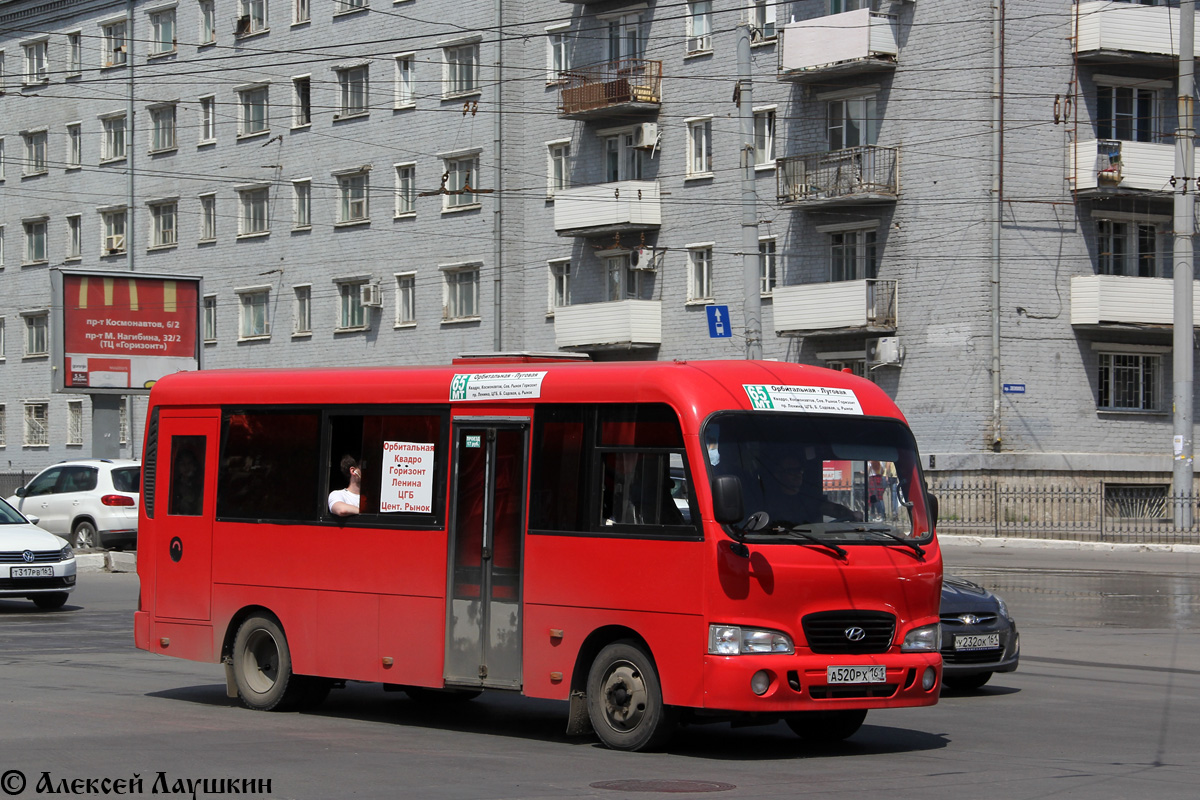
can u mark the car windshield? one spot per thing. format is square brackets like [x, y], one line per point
[127, 479]
[9, 515]
[842, 478]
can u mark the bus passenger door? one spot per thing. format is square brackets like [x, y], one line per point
[183, 515]
[483, 625]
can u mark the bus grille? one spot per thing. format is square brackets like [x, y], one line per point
[826, 631]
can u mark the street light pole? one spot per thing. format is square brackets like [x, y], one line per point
[1182, 332]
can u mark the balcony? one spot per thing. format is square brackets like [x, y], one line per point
[838, 44]
[1106, 300]
[613, 88]
[866, 306]
[1107, 166]
[607, 208]
[1114, 32]
[619, 325]
[856, 175]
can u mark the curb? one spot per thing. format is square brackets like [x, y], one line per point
[997, 543]
[105, 562]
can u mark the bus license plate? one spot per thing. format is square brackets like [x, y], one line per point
[32, 572]
[872, 674]
[985, 641]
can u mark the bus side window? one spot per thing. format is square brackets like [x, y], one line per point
[187, 476]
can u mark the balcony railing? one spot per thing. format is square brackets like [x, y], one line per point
[622, 324]
[1125, 300]
[1108, 165]
[841, 306]
[607, 208]
[628, 84]
[846, 43]
[1106, 27]
[867, 174]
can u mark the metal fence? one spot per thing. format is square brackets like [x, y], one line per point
[1099, 513]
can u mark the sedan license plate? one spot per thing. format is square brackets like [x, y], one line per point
[872, 674]
[32, 572]
[977, 641]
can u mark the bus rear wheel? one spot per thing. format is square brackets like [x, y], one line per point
[826, 727]
[624, 699]
[262, 667]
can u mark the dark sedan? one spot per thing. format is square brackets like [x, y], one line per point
[979, 636]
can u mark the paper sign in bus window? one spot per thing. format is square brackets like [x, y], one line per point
[407, 484]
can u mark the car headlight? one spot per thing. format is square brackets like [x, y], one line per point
[1003, 609]
[927, 638]
[66, 554]
[734, 640]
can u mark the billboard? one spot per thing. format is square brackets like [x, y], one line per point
[119, 332]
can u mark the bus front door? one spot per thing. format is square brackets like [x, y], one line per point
[483, 624]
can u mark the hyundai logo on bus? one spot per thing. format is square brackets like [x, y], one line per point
[855, 633]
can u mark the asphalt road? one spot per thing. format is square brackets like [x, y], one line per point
[1106, 705]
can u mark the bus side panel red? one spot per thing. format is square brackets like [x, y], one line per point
[348, 636]
[411, 633]
[679, 666]
[183, 640]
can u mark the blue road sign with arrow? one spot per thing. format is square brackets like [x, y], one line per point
[718, 322]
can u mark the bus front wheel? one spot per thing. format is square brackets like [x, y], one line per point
[624, 699]
[826, 727]
[262, 666]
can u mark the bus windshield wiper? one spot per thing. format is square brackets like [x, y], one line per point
[806, 533]
[883, 530]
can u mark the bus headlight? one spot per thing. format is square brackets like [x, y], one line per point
[927, 638]
[734, 640]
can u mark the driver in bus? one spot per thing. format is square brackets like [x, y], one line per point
[344, 502]
[801, 494]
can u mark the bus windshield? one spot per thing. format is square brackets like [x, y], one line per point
[841, 478]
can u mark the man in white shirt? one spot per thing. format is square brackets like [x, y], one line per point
[344, 502]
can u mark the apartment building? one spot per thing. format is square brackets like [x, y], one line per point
[970, 205]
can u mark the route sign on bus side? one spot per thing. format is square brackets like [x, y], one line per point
[718, 322]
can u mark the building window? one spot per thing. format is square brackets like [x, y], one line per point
[74, 422]
[123, 422]
[35, 241]
[3, 426]
[210, 318]
[622, 282]
[699, 26]
[853, 255]
[352, 316]
[1126, 248]
[37, 334]
[3, 344]
[74, 54]
[700, 262]
[560, 283]
[303, 311]
[254, 118]
[406, 190]
[1, 254]
[301, 12]
[625, 39]
[162, 128]
[404, 95]
[114, 233]
[253, 320]
[35, 152]
[163, 217]
[764, 137]
[1, 156]
[35, 62]
[1129, 382]
[841, 363]
[353, 86]
[208, 22]
[354, 197]
[37, 428]
[762, 19]
[162, 32]
[766, 265]
[351, 5]
[114, 44]
[406, 299]
[302, 204]
[461, 293]
[253, 17]
[208, 120]
[114, 138]
[461, 70]
[558, 52]
[699, 148]
[254, 218]
[558, 176]
[74, 146]
[208, 217]
[462, 178]
[301, 101]
[1126, 113]
[851, 122]
[622, 161]
[74, 237]
[838, 6]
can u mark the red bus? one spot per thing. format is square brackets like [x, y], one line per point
[652, 542]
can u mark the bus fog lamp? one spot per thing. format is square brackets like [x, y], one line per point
[925, 639]
[760, 682]
[928, 678]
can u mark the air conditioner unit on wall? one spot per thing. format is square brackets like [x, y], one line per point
[885, 351]
[645, 136]
[370, 295]
[646, 259]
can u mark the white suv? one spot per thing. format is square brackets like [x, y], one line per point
[91, 502]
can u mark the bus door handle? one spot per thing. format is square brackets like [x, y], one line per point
[487, 554]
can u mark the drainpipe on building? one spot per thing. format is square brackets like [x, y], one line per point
[129, 137]
[498, 183]
[752, 291]
[1182, 333]
[997, 206]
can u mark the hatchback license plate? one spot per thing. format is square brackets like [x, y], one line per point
[32, 572]
[976, 641]
[872, 674]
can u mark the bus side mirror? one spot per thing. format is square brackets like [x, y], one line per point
[728, 507]
[932, 502]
